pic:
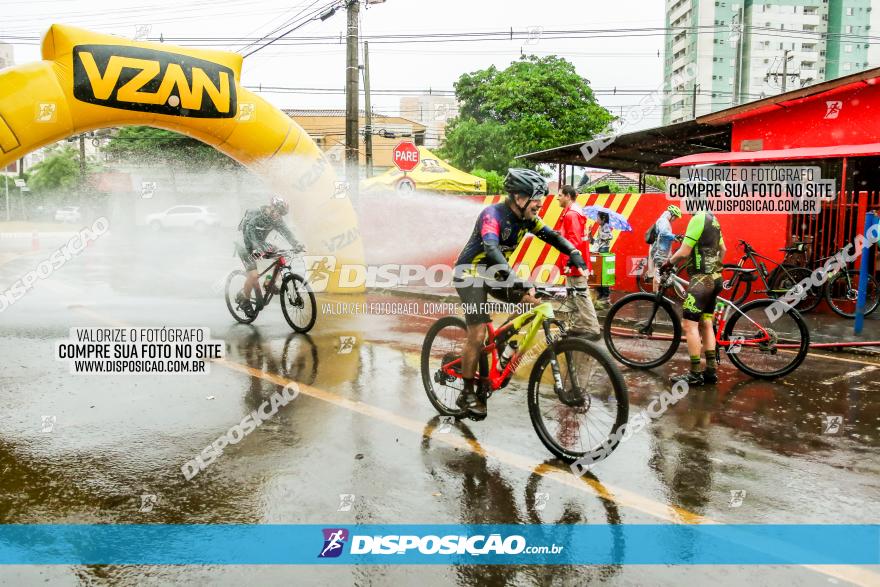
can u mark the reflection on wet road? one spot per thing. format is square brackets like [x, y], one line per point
[361, 444]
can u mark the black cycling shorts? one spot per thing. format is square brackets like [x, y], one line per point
[702, 294]
[246, 256]
[475, 292]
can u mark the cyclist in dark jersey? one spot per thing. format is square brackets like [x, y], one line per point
[482, 268]
[704, 248]
[255, 228]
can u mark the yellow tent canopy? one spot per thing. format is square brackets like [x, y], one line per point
[432, 174]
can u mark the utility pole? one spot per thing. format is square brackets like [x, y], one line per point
[785, 59]
[784, 69]
[82, 157]
[737, 67]
[352, 95]
[694, 100]
[368, 126]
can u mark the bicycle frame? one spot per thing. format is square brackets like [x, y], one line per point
[279, 264]
[721, 317]
[751, 254]
[538, 316]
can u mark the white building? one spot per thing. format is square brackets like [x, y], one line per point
[744, 50]
[432, 111]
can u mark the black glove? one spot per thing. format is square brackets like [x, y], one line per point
[576, 259]
[667, 267]
[679, 237]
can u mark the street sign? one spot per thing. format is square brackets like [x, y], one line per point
[405, 156]
[19, 182]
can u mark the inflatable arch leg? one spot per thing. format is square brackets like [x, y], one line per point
[89, 81]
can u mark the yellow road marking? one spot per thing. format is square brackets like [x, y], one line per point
[623, 497]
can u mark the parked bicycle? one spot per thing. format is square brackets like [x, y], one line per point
[577, 397]
[737, 279]
[841, 291]
[644, 331]
[298, 302]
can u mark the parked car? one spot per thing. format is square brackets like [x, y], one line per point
[198, 217]
[68, 214]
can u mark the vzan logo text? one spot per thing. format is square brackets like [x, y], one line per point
[133, 78]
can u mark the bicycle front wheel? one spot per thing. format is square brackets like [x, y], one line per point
[783, 353]
[842, 293]
[298, 303]
[641, 331]
[583, 416]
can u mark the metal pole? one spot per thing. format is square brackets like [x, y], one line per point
[737, 69]
[351, 99]
[368, 126]
[694, 100]
[871, 220]
[784, 69]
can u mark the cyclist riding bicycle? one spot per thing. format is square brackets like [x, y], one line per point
[256, 225]
[704, 246]
[662, 245]
[482, 268]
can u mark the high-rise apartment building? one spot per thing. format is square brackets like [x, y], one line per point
[732, 51]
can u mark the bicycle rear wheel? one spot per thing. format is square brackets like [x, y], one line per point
[642, 332]
[788, 345]
[842, 293]
[583, 417]
[298, 303]
[234, 286]
[445, 344]
[790, 279]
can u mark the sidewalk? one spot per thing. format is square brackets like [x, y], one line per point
[825, 326]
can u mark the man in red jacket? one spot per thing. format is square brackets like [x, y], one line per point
[583, 322]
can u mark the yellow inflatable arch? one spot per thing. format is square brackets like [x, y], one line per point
[89, 81]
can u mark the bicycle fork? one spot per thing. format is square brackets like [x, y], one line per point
[554, 364]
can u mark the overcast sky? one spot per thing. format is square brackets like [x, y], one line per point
[624, 62]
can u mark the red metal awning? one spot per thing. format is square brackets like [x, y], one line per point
[832, 152]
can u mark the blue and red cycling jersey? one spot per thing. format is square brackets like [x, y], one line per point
[499, 225]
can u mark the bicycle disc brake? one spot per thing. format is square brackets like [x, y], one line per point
[574, 397]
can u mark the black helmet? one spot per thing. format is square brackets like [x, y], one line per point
[525, 182]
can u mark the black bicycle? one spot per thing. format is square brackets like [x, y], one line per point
[737, 279]
[841, 291]
[644, 331]
[298, 303]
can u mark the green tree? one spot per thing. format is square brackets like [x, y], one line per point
[494, 181]
[535, 103]
[144, 144]
[613, 188]
[58, 172]
[657, 181]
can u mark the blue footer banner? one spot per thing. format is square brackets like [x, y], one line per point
[159, 544]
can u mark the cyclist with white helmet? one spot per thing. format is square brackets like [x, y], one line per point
[483, 269]
[256, 225]
[663, 236]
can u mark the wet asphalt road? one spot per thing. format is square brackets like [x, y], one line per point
[362, 444]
